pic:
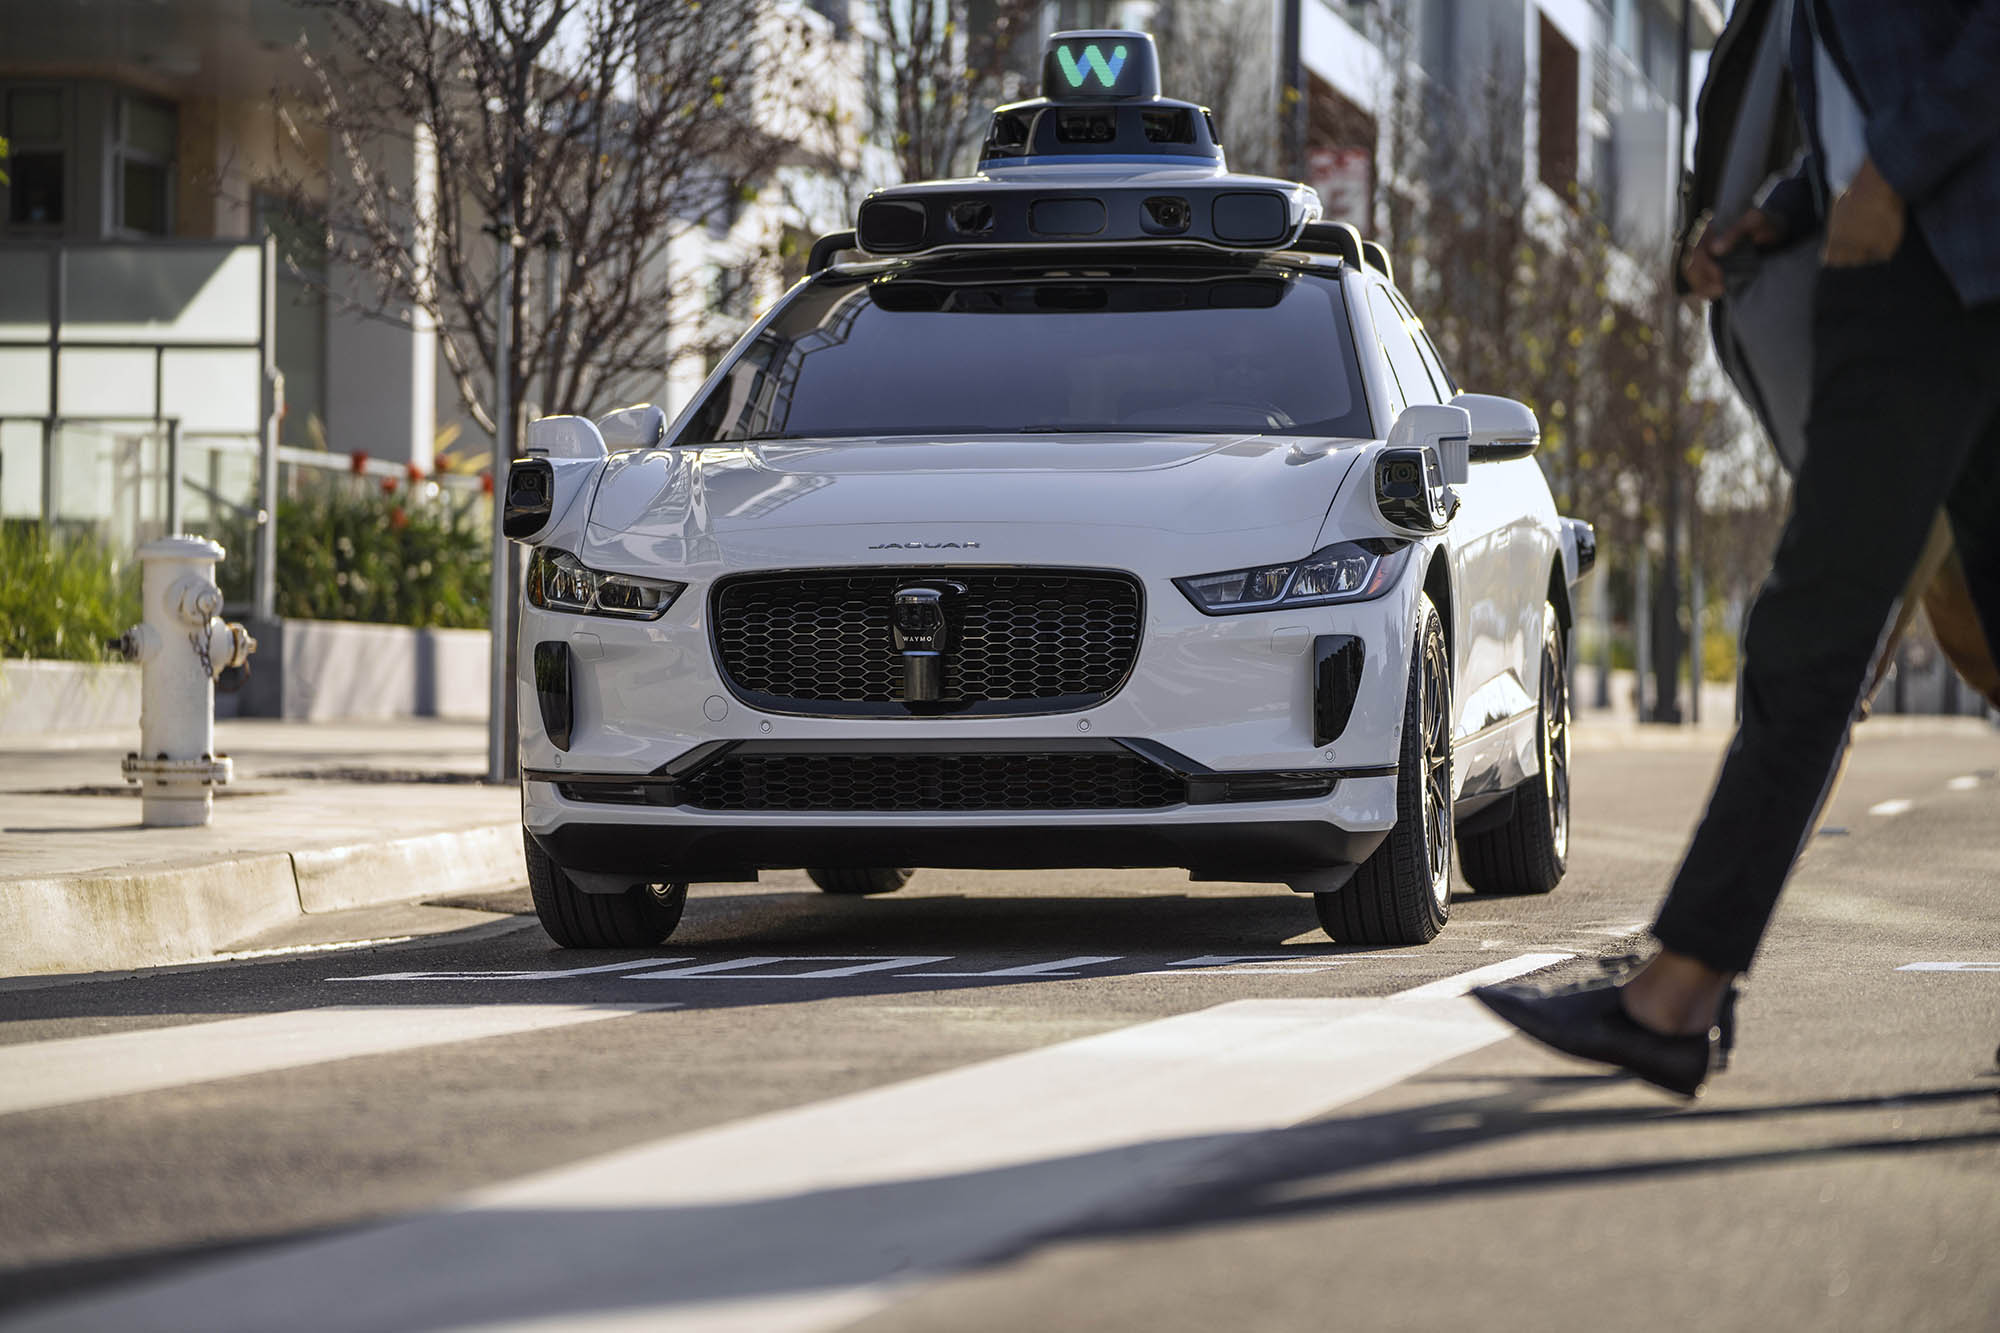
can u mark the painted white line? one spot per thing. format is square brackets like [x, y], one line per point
[1059, 967]
[1447, 987]
[38, 1075]
[810, 1218]
[1887, 808]
[736, 969]
[1991, 965]
[1966, 783]
[1258, 964]
[515, 974]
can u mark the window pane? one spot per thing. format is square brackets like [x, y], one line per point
[36, 195]
[935, 350]
[1414, 380]
[145, 199]
[149, 127]
[34, 116]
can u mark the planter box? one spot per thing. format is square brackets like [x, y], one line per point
[322, 670]
[39, 698]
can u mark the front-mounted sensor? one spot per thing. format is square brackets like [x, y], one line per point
[1166, 215]
[971, 217]
[891, 226]
[1066, 217]
[1251, 217]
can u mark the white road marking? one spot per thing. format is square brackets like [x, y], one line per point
[38, 1075]
[1257, 964]
[1058, 967]
[810, 1218]
[736, 969]
[1966, 783]
[516, 974]
[1991, 965]
[1895, 807]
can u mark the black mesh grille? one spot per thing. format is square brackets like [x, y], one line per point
[880, 782]
[1017, 636]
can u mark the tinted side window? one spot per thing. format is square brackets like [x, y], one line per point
[1441, 378]
[1412, 379]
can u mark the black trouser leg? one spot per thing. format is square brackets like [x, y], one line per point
[1904, 399]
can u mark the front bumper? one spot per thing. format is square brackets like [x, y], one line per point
[1218, 700]
[1262, 849]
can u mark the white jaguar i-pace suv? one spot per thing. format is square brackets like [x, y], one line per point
[1103, 508]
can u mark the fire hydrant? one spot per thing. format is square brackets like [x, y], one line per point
[182, 647]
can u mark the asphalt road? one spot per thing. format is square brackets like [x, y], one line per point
[1103, 1100]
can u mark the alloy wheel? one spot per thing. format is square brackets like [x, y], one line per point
[1437, 766]
[1555, 745]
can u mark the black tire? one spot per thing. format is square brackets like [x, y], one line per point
[859, 883]
[1529, 852]
[1402, 893]
[638, 918]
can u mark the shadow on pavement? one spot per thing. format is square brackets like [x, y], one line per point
[516, 1263]
[474, 966]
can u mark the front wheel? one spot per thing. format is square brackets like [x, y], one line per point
[1529, 852]
[1402, 893]
[638, 918]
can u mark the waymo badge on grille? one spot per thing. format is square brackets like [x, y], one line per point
[917, 622]
[1093, 63]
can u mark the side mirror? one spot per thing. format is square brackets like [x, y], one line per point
[1447, 431]
[1415, 471]
[564, 437]
[642, 426]
[1501, 428]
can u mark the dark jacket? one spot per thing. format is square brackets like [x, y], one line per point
[1927, 76]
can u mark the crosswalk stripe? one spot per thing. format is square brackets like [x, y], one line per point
[809, 1218]
[38, 1075]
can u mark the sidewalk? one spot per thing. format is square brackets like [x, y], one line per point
[320, 817]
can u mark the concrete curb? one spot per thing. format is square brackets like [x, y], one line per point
[110, 920]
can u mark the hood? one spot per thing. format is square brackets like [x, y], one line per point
[1063, 498]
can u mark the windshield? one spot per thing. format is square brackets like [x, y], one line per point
[937, 351]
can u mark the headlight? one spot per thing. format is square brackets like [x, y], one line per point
[558, 581]
[1344, 572]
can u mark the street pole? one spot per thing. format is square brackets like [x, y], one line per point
[551, 243]
[1680, 493]
[1292, 103]
[500, 593]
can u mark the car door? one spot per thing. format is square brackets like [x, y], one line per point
[1477, 541]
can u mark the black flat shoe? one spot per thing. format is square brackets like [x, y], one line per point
[1618, 968]
[1591, 1024]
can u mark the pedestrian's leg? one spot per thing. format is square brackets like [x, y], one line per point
[1901, 397]
[1974, 510]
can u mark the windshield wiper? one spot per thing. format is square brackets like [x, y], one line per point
[1067, 428]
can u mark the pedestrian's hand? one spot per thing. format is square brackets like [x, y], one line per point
[1701, 263]
[1867, 221]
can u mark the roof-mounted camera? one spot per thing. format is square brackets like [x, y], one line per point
[1099, 159]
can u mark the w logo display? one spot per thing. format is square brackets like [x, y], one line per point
[1078, 73]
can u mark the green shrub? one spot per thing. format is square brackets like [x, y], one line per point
[62, 595]
[349, 549]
